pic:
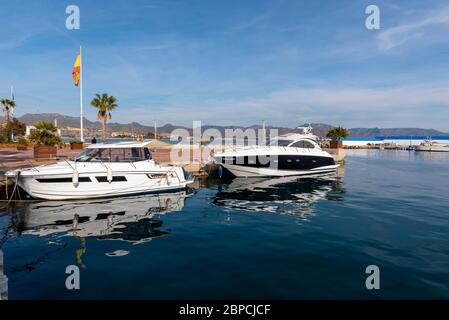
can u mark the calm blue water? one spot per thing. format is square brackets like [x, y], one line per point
[264, 238]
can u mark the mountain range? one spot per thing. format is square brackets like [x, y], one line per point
[319, 129]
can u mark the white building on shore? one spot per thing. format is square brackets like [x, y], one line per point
[400, 141]
[30, 129]
[361, 142]
[406, 141]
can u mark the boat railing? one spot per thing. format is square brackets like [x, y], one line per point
[268, 147]
[32, 166]
[70, 164]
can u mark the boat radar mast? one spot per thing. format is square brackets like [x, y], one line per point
[305, 130]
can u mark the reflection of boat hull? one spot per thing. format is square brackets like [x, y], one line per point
[283, 195]
[106, 219]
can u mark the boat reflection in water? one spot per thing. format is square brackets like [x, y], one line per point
[286, 195]
[133, 219]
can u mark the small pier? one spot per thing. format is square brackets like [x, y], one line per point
[337, 153]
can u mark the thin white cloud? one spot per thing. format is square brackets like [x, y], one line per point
[155, 47]
[159, 4]
[15, 42]
[400, 107]
[250, 23]
[418, 28]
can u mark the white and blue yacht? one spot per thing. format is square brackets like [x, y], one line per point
[293, 154]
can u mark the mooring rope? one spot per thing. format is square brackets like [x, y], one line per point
[15, 187]
[7, 196]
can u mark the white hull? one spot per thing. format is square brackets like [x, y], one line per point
[136, 178]
[67, 191]
[242, 171]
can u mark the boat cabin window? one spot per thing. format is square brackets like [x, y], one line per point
[303, 144]
[114, 155]
[280, 142]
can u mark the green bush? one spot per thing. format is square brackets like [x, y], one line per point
[3, 137]
[21, 141]
[15, 127]
[45, 134]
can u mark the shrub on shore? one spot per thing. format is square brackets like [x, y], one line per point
[45, 134]
[338, 133]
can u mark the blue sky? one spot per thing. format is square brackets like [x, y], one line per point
[234, 62]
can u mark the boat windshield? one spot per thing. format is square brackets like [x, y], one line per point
[113, 155]
[280, 142]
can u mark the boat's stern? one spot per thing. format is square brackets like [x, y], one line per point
[188, 177]
[222, 156]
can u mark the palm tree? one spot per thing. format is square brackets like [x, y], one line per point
[45, 134]
[8, 105]
[338, 133]
[105, 105]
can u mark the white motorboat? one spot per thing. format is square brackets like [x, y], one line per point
[293, 154]
[102, 171]
[432, 146]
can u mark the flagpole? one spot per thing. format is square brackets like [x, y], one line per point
[81, 96]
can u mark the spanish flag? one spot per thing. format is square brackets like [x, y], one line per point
[76, 70]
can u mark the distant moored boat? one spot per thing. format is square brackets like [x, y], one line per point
[432, 146]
